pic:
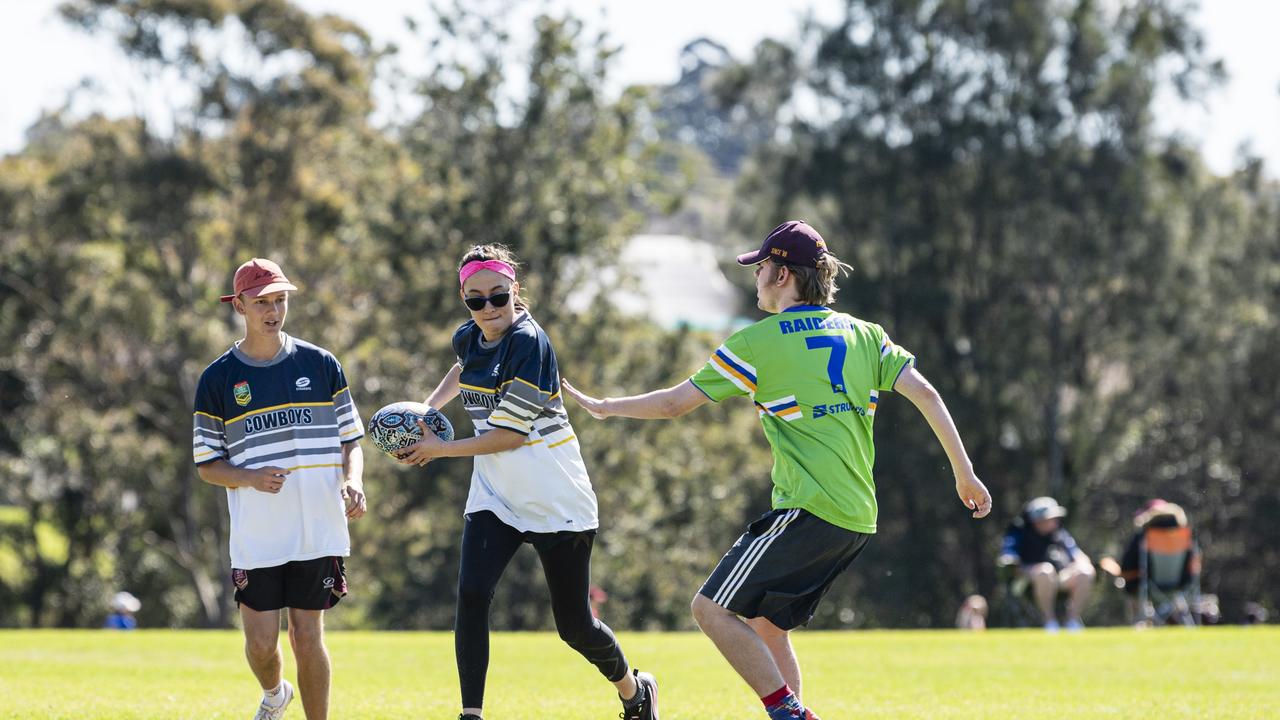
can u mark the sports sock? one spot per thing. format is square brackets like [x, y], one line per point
[635, 699]
[782, 704]
[275, 696]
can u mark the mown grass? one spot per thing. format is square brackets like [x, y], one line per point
[1102, 673]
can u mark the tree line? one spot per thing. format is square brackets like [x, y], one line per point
[1096, 306]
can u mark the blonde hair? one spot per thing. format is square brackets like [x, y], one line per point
[817, 285]
[497, 251]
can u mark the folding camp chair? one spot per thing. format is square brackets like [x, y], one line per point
[1169, 576]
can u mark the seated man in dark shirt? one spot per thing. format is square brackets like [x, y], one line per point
[1050, 559]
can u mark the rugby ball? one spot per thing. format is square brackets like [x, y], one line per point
[395, 426]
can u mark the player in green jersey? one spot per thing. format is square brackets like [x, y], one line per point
[815, 376]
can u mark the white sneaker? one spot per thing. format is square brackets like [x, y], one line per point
[275, 712]
[1074, 626]
[1051, 626]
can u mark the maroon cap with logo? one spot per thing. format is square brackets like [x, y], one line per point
[793, 242]
[256, 277]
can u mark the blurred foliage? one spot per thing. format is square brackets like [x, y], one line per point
[1074, 284]
[1095, 306]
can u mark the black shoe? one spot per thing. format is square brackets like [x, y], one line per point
[468, 716]
[646, 709]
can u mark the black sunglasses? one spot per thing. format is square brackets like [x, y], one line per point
[476, 304]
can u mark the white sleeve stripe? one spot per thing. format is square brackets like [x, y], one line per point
[516, 411]
[522, 402]
[729, 376]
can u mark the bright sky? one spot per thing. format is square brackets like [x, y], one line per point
[44, 59]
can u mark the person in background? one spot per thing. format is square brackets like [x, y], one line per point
[972, 614]
[597, 597]
[1155, 513]
[123, 606]
[1048, 556]
[1254, 613]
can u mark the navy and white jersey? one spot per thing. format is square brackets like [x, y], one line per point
[1031, 548]
[514, 383]
[293, 411]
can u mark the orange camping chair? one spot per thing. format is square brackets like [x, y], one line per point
[1166, 595]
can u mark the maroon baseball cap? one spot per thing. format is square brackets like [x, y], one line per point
[793, 242]
[256, 277]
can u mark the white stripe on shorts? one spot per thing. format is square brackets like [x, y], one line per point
[751, 558]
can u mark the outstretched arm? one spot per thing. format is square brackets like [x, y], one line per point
[917, 389]
[659, 404]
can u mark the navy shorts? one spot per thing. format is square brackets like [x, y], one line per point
[304, 584]
[782, 566]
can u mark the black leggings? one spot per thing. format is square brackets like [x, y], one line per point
[488, 544]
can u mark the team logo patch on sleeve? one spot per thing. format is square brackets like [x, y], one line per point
[241, 390]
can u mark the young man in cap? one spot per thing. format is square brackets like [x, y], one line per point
[276, 426]
[815, 376]
[1049, 558]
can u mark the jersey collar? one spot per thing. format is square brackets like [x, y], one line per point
[806, 308]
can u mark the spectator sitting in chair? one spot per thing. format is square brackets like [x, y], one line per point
[1157, 513]
[1049, 558]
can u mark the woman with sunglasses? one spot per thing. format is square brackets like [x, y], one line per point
[528, 485]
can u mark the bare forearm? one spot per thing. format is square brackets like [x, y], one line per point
[447, 389]
[223, 474]
[657, 405]
[353, 464]
[930, 404]
[494, 441]
[917, 389]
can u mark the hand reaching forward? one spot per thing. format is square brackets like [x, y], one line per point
[588, 403]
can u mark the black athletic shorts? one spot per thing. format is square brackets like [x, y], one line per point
[304, 584]
[782, 566]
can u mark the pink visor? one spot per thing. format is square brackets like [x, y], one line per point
[476, 266]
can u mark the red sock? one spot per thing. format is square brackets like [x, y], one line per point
[776, 696]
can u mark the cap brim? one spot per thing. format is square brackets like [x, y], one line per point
[264, 290]
[753, 258]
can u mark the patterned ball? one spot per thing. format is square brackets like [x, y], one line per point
[395, 426]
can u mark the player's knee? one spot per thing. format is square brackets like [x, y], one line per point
[1042, 573]
[575, 632]
[474, 596]
[704, 610]
[305, 638]
[260, 649]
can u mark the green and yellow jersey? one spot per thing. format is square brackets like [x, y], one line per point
[815, 376]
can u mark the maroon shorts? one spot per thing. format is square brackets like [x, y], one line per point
[304, 584]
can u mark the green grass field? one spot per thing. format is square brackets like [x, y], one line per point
[1102, 673]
